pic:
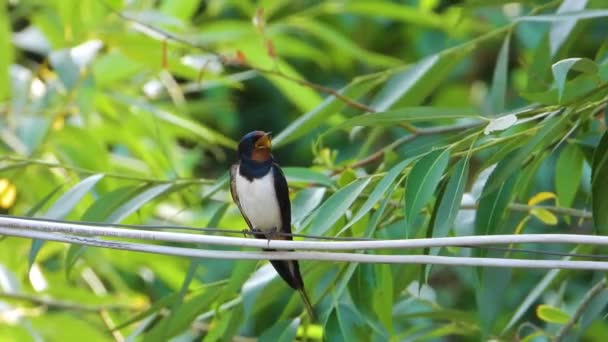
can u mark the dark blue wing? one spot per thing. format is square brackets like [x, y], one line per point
[282, 191]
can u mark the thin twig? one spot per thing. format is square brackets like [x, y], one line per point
[584, 214]
[587, 299]
[65, 305]
[405, 139]
[24, 162]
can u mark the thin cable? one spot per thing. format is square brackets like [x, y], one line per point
[317, 256]
[79, 229]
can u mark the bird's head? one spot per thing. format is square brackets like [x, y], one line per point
[255, 146]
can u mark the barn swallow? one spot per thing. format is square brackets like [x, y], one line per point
[259, 188]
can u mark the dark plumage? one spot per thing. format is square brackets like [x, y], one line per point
[259, 188]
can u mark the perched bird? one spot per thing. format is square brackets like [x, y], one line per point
[259, 189]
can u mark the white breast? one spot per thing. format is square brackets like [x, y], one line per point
[259, 201]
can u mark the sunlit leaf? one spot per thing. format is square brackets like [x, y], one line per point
[541, 197]
[551, 314]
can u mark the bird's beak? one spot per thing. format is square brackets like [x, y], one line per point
[264, 142]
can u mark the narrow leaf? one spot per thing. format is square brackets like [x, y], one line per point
[599, 186]
[498, 90]
[560, 31]
[335, 206]
[421, 183]
[450, 201]
[378, 192]
[319, 115]
[62, 206]
[560, 71]
[137, 202]
[494, 201]
[408, 114]
[568, 174]
[306, 175]
[68, 200]
[551, 129]
[551, 314]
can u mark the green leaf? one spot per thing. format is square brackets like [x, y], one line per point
[335, 206]
[378, 192]
[421, 183]
[574, 15]
[599, 186]
[62, 206]
[551, 129]
[186, 313]
[494, 200]
[568, 173]
[72, 197]
[382, 295]
[411, 86]
[98, 212]
[551, 314]
[320, 114]
[560, 71]
[560, 31]
[498, 90]
[307, 176]
[304, 203]
[281, 331]
[409, 114]
[538, 71]
[201, 131]
[6, 53]
[345, 324]
[493, 283]
[450, 201]
[342, 43]
[137, 202]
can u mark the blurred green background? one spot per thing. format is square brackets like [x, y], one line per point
[453, 118]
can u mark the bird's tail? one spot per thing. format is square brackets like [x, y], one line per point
[309, 308]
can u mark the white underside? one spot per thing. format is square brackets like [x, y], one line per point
[259, 201]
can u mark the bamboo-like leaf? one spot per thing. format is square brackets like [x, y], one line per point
[6, 54]
[330, 106]
[68, 200]
[378, 192]
[63, 205]
[498, 90]
[421, 183]
[560, 31]
[599, 186]
[450, 201]
[494, 200]
[137, 202]
[304, 203]
[408, 114]
[551, 314]
[308, 176]
[345, 324]
[574, 15]
[552, 128]
[281, 331]
[335, 206]
[560, 71]
[493, 282]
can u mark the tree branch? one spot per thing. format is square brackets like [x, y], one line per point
[589, 296]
